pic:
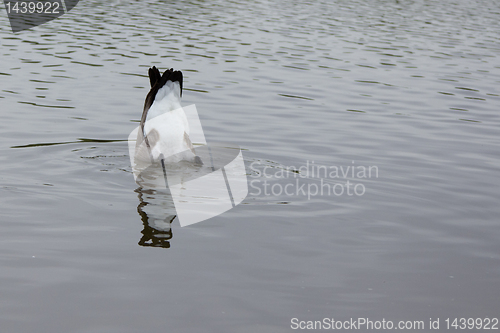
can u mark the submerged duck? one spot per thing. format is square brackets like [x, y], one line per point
[164, 130]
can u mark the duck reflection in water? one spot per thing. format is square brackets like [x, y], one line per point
[156, 204]
[157, 212]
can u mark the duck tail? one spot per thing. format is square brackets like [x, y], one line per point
[158, 81]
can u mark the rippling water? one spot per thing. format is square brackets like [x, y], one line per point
[409, 88]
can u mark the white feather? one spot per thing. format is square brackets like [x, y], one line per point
[168, 124]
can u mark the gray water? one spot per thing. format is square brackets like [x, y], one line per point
[409, 88]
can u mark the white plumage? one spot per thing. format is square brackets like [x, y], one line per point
[164, 130]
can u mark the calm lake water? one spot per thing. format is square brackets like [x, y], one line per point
[409, 89]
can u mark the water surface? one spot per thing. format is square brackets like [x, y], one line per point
[408, 87]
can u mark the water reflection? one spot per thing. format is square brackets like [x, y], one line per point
[194, 191]
[157, 212]
[156, 207]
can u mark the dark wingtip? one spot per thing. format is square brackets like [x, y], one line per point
[157, 81]
[154, 75]
[171, 75]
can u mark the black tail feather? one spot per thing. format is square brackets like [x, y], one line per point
[154, 75]
[157, 81]
[171, 75]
